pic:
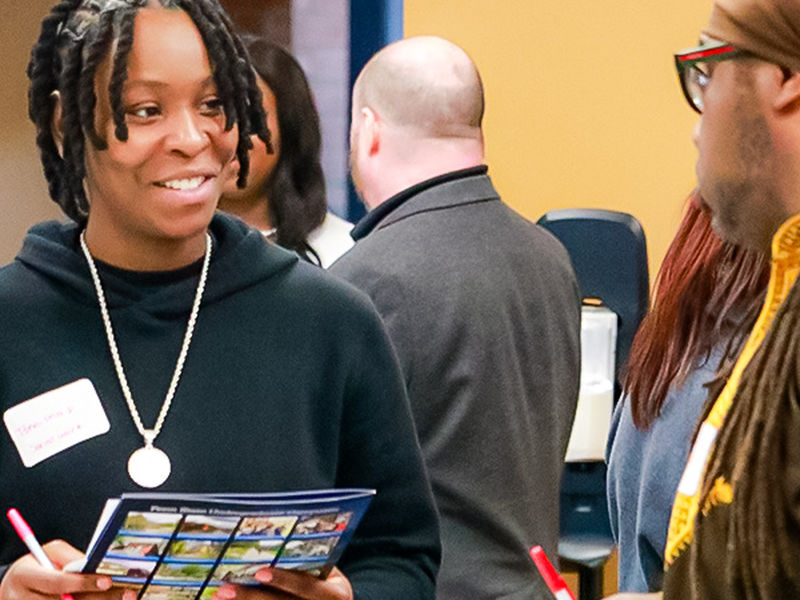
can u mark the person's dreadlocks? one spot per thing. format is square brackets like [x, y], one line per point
[76, 37]
[754, 444]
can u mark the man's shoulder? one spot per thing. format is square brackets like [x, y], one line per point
[372, 258]
[452, 235]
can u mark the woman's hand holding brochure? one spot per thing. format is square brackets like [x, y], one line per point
[27, 579]
[294, 584]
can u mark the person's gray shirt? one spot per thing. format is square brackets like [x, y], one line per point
[644, 468]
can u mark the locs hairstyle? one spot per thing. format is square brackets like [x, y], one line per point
[296, 186]
[76, 37]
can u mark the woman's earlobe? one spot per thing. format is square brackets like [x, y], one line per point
[56, 128]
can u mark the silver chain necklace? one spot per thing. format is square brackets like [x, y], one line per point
[148, 466]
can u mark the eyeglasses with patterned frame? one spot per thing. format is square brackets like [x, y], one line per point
[693, 70]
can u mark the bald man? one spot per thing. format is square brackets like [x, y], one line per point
[482, 307]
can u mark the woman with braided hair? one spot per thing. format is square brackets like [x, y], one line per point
[167, 346]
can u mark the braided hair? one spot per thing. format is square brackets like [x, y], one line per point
[75, 38]
[758, 452]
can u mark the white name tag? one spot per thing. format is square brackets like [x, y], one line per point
[696, 465]
[56, 420]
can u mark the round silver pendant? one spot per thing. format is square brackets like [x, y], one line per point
[149, 467]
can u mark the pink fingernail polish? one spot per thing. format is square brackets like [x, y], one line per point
[104, 583]
[264, 575]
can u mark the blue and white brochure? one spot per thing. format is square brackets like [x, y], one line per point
[184, 546]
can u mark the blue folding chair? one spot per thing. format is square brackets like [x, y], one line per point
[609, 255]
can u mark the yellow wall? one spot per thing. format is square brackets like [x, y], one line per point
[583, 105]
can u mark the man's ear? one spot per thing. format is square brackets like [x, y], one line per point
[370, 131]
[57, 124]
[788, 95]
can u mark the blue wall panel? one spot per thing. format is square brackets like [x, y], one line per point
[373, 24]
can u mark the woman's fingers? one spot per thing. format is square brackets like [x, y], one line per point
[335, 587]
[61, 553]
[284, 584]
[26, 579]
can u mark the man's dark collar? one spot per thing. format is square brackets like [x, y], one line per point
[376, 215]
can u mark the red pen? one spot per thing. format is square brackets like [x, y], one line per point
[26, 535]
[552, 578]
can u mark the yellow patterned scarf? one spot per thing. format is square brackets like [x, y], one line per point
[784, 272]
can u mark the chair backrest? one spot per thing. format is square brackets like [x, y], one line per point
[609, 255]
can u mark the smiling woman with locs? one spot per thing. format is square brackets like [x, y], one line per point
[178, 349]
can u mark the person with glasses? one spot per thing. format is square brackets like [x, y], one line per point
[734, 533]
